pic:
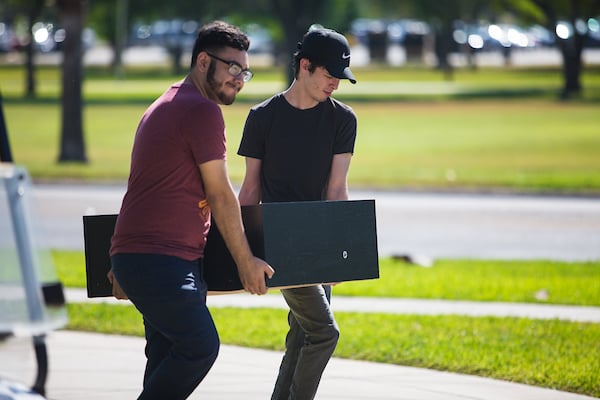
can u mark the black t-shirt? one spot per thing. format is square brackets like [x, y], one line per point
[297, 146]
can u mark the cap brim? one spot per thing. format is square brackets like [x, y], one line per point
[349, 75]
[342, 74]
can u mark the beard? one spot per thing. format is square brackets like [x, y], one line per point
[215, 87]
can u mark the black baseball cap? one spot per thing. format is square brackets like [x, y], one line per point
[328, 48]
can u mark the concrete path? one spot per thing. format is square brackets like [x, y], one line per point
[392, 306]
[92, 366]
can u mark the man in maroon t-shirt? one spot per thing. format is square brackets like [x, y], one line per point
[178, 178]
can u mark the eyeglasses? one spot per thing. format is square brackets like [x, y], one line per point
[235, 69]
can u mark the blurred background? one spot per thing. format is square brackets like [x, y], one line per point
[438, 34]
[58, 57]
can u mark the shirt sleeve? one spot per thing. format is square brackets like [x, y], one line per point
[346, 133]
[253, 138]
[203, 128]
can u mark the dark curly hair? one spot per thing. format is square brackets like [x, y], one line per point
[216, 35]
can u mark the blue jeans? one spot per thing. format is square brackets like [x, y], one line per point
[181, 338]
[309, 344]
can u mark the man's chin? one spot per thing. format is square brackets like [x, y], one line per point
[226, 99]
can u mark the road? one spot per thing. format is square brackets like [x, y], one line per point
[422, 225]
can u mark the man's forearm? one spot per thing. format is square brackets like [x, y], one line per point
[337, 193]
[226, 213]
[249, 196]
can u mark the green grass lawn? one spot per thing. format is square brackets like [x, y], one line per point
[482, 139]
[576, 283]
[549, 353]
[518, 145]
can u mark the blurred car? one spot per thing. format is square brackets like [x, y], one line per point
[593, 38]
[165, 33]
[182, 34]
[490, 37]
[378, 34]
[471, 35]
[48, 37]
[8, 39]
[261, 41]
[540, 36]
[589, 28]
[395, 30]
[362, 28]
[43, 36]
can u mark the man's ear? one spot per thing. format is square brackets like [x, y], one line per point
[202, 61]
[304, 64]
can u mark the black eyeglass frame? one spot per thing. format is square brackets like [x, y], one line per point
[235, 69]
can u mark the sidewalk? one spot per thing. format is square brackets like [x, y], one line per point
[108, 367]
[101, 367]
[392, 306]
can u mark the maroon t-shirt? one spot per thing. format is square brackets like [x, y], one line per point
[164, 210]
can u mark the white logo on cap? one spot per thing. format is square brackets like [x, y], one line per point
[345, 56]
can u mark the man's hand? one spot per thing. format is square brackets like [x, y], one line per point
[225, 210]
[116, 288]
[252, 275]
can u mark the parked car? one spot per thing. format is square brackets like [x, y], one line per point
[261, 41]
[378, 34]
[182, 33]
[48, 37]
[8, 39]
[166, 33]
[590, 29]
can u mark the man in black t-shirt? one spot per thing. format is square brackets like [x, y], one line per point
[298, 145]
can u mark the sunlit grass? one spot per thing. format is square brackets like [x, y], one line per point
[493, 142]
[528, 146]
[576, 283]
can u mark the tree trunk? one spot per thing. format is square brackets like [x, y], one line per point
[571, 50]
[443, 45]
[120, 37]
[176, 51]
[72, 146]
[295, 18]
[30, 83]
